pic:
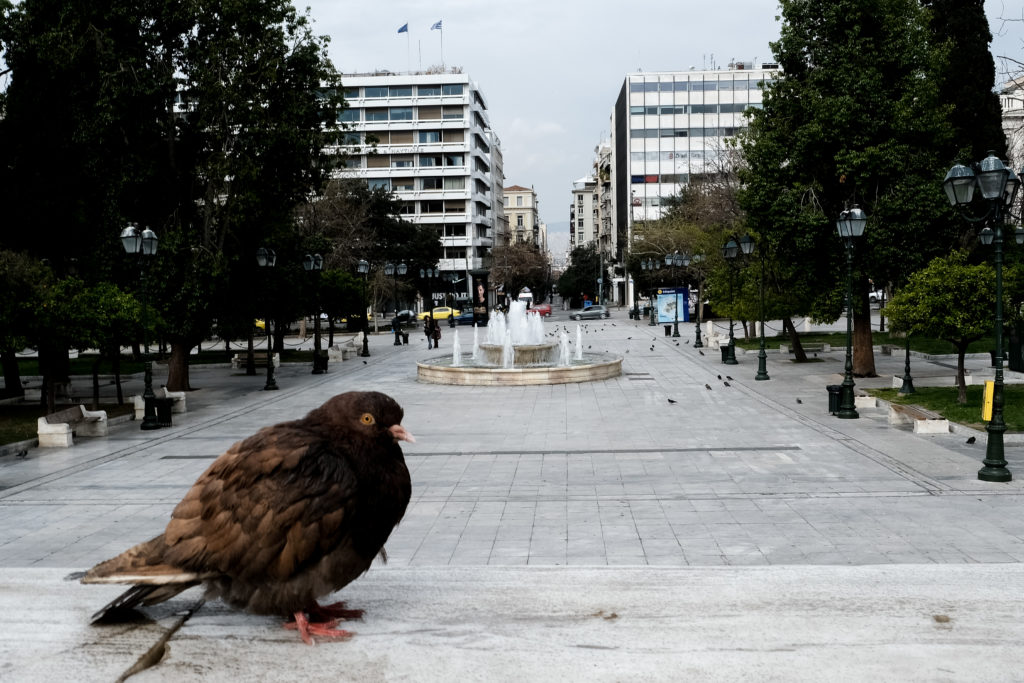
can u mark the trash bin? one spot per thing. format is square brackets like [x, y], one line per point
[834, 393]
[320, 362]
[668, 330]
[405, 337]
[725, 352]
[163, 410]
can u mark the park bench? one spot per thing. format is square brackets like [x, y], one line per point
[923, 420]
[241, 360]
[57, 430]
[177, 398]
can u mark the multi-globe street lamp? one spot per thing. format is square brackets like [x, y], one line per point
[762, 354]
[730, 251]
[673, 261]
[267, 258]
[314, 263]
[363, 268]
[998, 187]
[394, 271]
[144, 244]
[850, 226]
[649, 265]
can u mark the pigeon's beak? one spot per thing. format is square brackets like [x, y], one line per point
[401, 433]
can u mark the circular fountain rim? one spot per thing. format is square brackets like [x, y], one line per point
[477, 376]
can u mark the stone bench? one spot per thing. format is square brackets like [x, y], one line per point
[345, 349]
[58, 429]
[178, 404]
[923, 420]
[241, 360]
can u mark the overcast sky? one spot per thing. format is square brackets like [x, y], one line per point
[551, 69]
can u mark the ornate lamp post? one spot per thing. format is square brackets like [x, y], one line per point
[363, 267]
[729, 252]
[144, 244]
[762, 355]
[267, 258]
[850, 226]
[394, 271]
[998, 187]
[650, 265]
[315, 263]
[673, 261]
[697, 344]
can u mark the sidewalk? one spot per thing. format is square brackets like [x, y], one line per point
[572, 532]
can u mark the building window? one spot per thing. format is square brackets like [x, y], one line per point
[429, 91]
[430, 160]
[400, 91]
[379, 114]
[431, 183]
[433, 206]
[348, 115]
[383, 183]
[456, 183]
[350, 93]
[403, 184]
[519, 221]
[374, 92]
[427, 137]
[519, 202]
[350, 139]
[450, 113]
[400, 113]
[454, 160]
[401, 162]
[451, 89]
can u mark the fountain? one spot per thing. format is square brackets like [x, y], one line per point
[517, 351]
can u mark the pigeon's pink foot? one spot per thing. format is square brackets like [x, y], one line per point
[336, 610]
[325, 629]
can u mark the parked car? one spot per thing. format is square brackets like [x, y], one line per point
[540, 309]
[464, 318]
[590, 313]
[875, 296]
[439, 313]
[406, 316]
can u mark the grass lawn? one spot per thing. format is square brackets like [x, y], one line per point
[942, 400]
[838, 341]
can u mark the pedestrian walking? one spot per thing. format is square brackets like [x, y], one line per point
[428, 329]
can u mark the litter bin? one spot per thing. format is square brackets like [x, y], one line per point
[725, 352]
[320, 362]
[405, 337]
[668, 330]
[163, 410]
[834, 397]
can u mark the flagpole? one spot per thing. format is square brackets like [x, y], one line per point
[442, 46]
[408, 52]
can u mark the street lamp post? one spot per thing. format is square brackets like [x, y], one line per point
[394, 271]
[650, 265]
[998, 186]
[364, 268]
[762, 355]
[144, 244]
[267, 258]
[673, 261]
[850, 226]
[698, 344]
[315, 263]
[729, 252]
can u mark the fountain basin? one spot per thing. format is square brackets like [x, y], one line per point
[525, 354]
[593, 367]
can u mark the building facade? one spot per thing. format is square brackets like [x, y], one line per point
[521, 211]
[670, 126]
[434, 148]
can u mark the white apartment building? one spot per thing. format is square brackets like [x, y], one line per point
[669, 126]
[436, 151]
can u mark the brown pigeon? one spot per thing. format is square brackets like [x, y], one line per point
[290, 514]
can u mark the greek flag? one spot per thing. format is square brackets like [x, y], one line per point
[404, 29]
[436, 26]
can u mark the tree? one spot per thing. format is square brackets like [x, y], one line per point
[24, 282]
[519, 265]
[580, 277]
[949, 299]
[853, 119]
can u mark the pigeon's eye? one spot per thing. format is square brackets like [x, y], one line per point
[367, 419]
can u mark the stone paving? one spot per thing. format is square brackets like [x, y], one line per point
[570, 477]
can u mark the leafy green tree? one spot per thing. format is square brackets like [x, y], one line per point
[24, 282]
[853, 118]
[580, 276]
[949, 299]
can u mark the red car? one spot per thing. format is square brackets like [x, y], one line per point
[540, 309]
